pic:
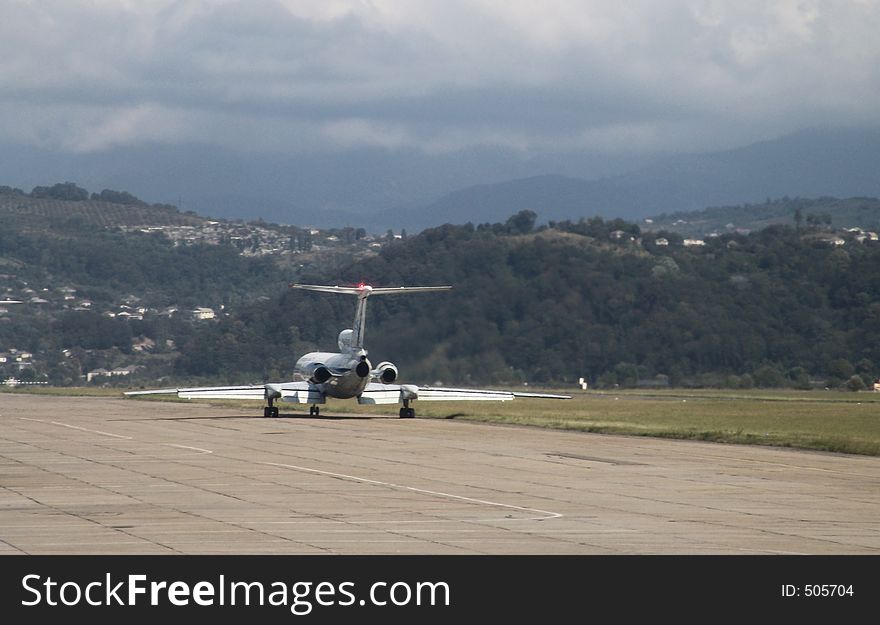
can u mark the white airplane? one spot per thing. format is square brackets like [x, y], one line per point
[346, 374]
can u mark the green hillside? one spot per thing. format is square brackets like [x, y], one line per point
[588, 299]
[603, 300]
[840, 213]
[108, 282]
[65, 206]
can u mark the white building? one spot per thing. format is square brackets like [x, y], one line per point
[203, 313]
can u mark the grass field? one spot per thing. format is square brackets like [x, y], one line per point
[819, 420]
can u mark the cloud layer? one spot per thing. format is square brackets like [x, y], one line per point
[434, 75]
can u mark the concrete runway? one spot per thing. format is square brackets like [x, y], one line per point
[108, 476]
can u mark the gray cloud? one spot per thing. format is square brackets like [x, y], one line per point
[438, 76]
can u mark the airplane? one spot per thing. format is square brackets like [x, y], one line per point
[346, 374]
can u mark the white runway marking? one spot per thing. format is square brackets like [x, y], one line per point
[546, 513]
[198, 449]
[76, 427]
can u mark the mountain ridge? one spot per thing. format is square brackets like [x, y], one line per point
[813, 163]
[380, 189]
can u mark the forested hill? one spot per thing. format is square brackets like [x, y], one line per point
[791, 304]
[104, 282]
[594, 299]
[66, 204]
[843, 213]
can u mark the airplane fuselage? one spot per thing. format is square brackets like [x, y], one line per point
[341, 375]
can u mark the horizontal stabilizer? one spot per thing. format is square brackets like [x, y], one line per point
[365, 290]
[407, 289]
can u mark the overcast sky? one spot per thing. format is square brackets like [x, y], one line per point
[434, 75]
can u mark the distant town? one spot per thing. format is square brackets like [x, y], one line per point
[289, 246]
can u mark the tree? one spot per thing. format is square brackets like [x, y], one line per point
[62, 191]
[799, 378]
[855, 383]
[840, 368]
[118, 197]
[768, 376]
[521, 223]
[627, 374]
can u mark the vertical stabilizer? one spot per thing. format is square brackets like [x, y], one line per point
[363, 291]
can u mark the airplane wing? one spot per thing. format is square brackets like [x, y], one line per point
[376, 393]
[295, 392]
[209, 392]
[446, 394]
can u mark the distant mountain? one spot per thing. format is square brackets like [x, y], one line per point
[327, 190]
[814, 163]
[379, 189]
[549, 196]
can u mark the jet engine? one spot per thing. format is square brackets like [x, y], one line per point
[363, 368]
[318, 373]
[385, 372]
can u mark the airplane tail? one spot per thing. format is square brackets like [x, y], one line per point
[363, 291]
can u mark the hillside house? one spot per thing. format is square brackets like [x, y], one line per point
[202, 314]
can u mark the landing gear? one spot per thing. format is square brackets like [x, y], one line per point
[314, 411]
[270, 411]
[406, 412]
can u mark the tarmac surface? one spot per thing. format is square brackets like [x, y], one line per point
[113, 476]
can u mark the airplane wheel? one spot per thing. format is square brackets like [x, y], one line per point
[274, 411]
[407, 413]
[267, 412]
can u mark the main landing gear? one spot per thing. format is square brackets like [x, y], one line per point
[406, 412]
[271, 410]
[314, 411]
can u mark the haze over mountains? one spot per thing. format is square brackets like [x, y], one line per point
[379, 189]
